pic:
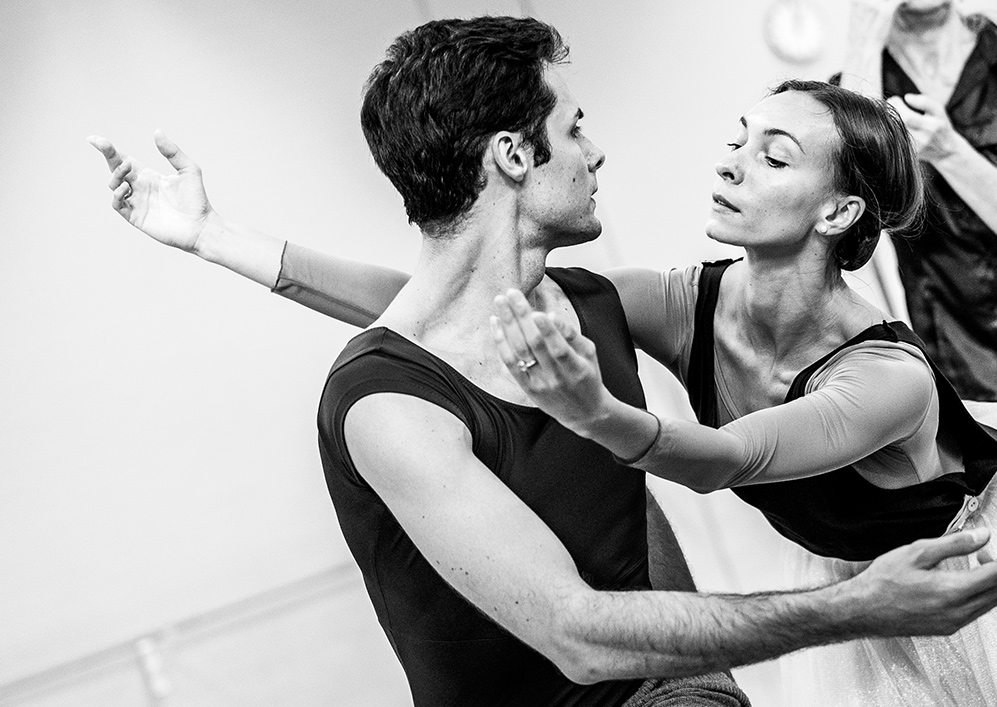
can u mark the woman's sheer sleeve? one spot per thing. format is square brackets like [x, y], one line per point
[350, 291]
[660, 308]
[872, 397]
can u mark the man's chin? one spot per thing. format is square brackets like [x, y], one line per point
[588, 232]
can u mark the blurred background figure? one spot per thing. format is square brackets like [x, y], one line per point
[936, 62]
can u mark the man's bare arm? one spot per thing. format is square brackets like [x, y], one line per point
[513, 568]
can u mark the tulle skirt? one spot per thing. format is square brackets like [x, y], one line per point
[956, 671]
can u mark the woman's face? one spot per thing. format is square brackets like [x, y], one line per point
[777, 180]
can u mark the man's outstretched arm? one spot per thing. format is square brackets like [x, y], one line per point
[513, 568]
[174, 210]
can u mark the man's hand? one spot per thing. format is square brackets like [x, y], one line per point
[172, 209]
[929, 125]
[907, 594]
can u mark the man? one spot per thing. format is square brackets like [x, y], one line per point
[506, 558]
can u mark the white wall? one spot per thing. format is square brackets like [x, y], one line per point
[157, 437]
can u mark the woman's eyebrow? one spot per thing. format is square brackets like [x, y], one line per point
[771, 132]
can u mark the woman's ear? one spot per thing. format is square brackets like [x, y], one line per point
[510, 155]
[841, 215]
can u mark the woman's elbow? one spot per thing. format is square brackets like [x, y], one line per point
[699, 480]
[705, 486]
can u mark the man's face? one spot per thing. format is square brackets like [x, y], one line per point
[559, 197]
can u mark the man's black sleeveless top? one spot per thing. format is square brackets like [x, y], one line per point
[840, 514]
[453, 654]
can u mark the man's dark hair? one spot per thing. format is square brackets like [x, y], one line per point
[441, 92]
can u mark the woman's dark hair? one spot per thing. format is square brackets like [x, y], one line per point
[877, 161]
[441, 92]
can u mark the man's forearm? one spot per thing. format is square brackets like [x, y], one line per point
[610, 635]
[672, 634]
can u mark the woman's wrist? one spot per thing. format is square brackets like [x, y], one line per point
[245, 251]
[210, 239]
[627, 431]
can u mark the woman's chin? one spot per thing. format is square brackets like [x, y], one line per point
[715, 233]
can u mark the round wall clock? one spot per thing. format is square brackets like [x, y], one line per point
[793, 31]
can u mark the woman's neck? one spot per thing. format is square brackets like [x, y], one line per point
[786, 308]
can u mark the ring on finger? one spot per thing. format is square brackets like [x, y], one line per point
[524, 365]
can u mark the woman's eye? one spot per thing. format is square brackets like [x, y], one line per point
[775, 163]
[733, 146]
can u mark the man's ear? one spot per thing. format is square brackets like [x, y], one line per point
[841, 215]
[510, 155]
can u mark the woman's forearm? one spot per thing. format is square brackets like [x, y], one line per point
[347, 290]
[245, 251]
[699, 457]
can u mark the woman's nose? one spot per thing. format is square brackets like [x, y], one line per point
[729, 170]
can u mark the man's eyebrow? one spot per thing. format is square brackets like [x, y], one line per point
[778, 131]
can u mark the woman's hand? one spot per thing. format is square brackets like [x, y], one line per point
[172, 209]
[555, 364]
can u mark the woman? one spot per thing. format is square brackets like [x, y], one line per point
[814, 174]
[832, 421]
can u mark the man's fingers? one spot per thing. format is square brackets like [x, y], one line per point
[957, 544]
[176, 157]
[104, 146]
[974, 592]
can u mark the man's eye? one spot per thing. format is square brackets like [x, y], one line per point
[733, 146]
